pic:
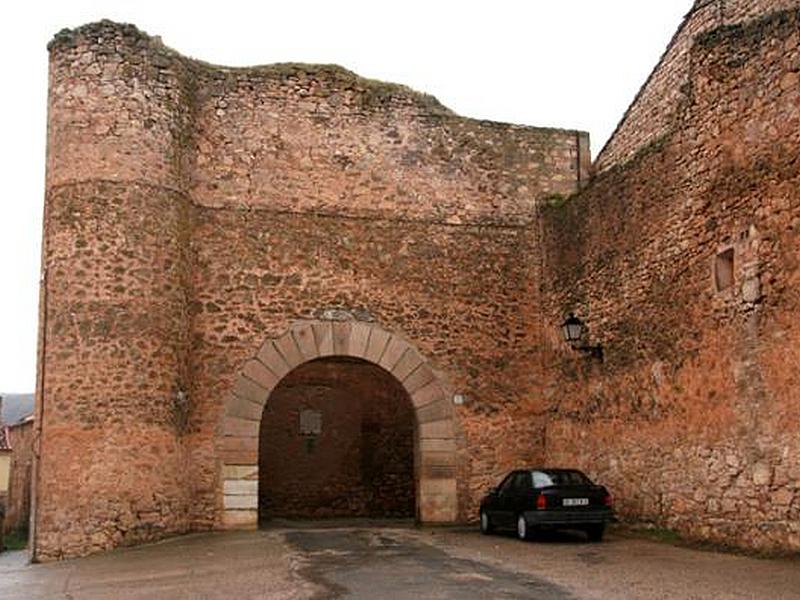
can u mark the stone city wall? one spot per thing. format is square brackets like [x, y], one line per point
[661, 99]
[692, 419]
[193, 212]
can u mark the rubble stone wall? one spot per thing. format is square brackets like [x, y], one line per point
[18, 506]
[662, 98]
[193, 212]
[196, 214]
[116, 327]
[693, 417]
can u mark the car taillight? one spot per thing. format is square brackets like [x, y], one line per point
[608, 500]
[541, 502]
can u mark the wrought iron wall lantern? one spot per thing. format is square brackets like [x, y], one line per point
[574, 331]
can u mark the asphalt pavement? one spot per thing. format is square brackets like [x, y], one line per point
[388, 560]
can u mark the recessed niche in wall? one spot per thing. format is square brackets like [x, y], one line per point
[723, 270]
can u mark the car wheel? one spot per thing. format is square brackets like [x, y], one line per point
[523, 531]
[486, 524]
[595, 532]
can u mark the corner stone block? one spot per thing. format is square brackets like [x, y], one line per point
[359, 338]
[421, 376]
[248, 389]
[438, 500]
[394, 352]
[240, 450]
[437, 465]
[248, 502]
[289, 350]
[273, 360]
[304, 337]
[238, 457]
[439, 458]
[323, 335]
[435, 411]
[436, 471]
[341, 338]
[241, 427]
[428, 394]
[244, 408]
[249, 472]
[442, 430]
[376, 345]
[437, 445]
[256, 371]
[407, 364]
[240, 487]
[240, 519]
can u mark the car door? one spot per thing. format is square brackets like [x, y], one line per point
[521, 494]
[504, 516]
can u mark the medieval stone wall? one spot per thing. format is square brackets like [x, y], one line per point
[692, 418]
[18, 506]
[115, 319]
[194, 212]
[295, 138]
[661, 99]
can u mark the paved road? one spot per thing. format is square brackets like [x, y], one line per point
[364, 564]
[348, 560]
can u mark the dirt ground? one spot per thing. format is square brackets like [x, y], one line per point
[367, 560]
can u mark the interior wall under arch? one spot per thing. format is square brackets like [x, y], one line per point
[337, 440]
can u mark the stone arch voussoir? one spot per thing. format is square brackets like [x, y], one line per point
[435, 452]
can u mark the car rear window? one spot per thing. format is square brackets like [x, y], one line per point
[543, 479]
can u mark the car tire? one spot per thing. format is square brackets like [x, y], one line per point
[486, 523]
[523, 529]
[595, 533]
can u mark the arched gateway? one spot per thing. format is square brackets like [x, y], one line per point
[434, 439]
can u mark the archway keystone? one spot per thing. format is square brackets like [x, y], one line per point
[435, 447]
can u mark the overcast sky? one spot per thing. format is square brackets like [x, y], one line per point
[573, 64]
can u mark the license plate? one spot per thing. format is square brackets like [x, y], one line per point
[576, 502]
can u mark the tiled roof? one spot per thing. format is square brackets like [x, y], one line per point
[4, 441]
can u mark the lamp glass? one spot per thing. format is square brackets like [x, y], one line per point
[573, 329]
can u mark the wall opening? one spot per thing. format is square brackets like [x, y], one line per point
[337, 440]
[723, 270]
[328, 353]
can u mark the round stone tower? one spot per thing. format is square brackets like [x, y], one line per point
[113, 373]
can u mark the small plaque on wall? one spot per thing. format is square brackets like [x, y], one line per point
[310, 422]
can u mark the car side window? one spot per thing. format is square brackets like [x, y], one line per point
[506, 484]
[522, 483]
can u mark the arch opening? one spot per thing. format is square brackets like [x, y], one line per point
[337, 440]
[315, 360]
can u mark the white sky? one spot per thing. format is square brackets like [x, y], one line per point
[572, 64]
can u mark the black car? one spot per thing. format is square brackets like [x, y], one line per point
[534, 499]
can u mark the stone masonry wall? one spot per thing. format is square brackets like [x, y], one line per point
[115, 318]
[453, 290]
[18, 507]
[360, 464]
[693, 418]
[193, 212]
[295, 138]
[661, 99]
